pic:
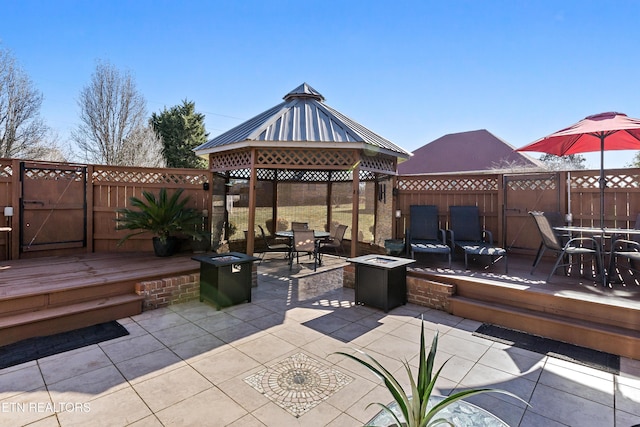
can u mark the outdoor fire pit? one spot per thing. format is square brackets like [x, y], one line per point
[381, 280]
[225, 279]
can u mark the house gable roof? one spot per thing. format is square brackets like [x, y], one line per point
[476, 150]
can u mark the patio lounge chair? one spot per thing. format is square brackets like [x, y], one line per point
[424, 233]
[272, 246]
[466, 233]
[574, 246]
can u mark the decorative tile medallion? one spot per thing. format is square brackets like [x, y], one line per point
[298, 383]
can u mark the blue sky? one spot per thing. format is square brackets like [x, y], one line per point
[411, 71]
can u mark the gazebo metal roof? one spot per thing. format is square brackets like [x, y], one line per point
[302, 140]
[302, 120]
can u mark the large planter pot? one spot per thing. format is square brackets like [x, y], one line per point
[459, 412]
[167, 248]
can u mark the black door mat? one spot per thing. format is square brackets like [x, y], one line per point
[585, 356]
[36, 348]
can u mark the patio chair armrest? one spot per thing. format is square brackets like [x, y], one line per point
[443, 235]
[596, 246]
[451, 238]
[488, 234]
[630, 245]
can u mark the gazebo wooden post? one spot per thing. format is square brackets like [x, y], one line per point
[329, 197]
[274, 203]
[355, 210]
[251, 220]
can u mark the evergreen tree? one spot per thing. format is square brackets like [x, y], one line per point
[181, 130]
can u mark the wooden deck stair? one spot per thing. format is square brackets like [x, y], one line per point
[40, 297]
[568, 316]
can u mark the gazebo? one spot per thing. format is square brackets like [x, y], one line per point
[301, 140]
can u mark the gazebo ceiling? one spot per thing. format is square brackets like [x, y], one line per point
[303, 120]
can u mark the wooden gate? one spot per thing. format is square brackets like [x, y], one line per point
[53, 207]
[525, 193]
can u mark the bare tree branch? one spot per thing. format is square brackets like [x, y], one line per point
[114, 120]
[21, 127]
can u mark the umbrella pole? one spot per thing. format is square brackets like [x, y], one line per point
[603, 181]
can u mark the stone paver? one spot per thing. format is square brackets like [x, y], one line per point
[191, 364]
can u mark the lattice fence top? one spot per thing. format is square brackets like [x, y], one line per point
[149, 177]
[528, 184]
[34, 173]
[449, 184]
[6, 171]
[618, 180]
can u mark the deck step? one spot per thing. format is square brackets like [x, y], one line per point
[616, 340]
[50, 321]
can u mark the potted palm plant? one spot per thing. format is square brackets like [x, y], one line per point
[414, 409]
[164, 216]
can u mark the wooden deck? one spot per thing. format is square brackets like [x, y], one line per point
[573, 309]
[43, 296]
[49, 295]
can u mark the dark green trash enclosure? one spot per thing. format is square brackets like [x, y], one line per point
[225, 279]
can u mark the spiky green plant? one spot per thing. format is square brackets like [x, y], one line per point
[162, 216]
[413, 406]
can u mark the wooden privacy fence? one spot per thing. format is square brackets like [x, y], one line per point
[61, 208]
[504, 200]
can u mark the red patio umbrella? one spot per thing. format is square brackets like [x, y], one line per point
[600, 132]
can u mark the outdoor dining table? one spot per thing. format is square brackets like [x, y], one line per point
[604, 233]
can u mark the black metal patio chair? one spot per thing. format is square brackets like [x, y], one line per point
[565, 253]
[271, 246]
[625, 248]
[334, 242]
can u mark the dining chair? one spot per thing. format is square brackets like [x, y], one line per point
[334, 242]
[575, 246]
[304, 241]
[299, 225]
[272, 246]
[625, 248]
[628, 250]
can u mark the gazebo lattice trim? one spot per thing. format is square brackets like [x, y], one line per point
[382, 164]
[308, 159]
[300, 165]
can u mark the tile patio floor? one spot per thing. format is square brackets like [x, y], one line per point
[190, 365]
